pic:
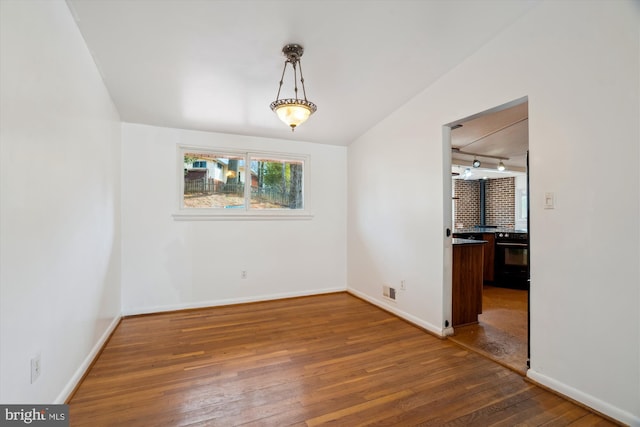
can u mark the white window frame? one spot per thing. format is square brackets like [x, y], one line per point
[214, 214]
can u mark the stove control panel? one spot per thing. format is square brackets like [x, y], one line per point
[514, 236]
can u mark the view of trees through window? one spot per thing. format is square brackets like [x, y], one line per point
[222, 181]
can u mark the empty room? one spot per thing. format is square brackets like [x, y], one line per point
[218, 212]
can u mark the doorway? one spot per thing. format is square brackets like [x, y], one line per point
[490, 199]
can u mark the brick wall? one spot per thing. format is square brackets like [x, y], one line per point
[500, 207]
[467, 207]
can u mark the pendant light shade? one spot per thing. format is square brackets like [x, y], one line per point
[293, 111]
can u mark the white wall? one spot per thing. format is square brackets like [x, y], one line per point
[578, 62]
[60, 215]
[170, 264]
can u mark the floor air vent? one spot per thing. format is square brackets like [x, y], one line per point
[389, 292]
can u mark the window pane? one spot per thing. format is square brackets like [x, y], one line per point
[521, 204]
[213, 180]
[276, 184]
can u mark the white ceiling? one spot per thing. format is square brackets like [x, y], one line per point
[502, 132]
[215, 65]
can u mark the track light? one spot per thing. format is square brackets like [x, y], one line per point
[476, 163]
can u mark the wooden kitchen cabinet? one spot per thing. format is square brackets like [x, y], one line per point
[467, 280]
[489, 252]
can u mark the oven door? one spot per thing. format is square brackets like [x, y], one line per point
[512, 264]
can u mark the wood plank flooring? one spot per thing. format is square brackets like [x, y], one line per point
[501, 331]
[328, 359]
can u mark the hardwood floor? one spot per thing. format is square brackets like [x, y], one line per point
[501, 331]
[328, 359]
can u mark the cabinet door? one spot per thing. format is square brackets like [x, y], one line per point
[489, 257]
[466, 285]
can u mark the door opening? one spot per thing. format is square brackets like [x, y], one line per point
[490, 203]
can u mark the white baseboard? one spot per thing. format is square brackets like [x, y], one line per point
[77, 376]
[229, 301]
[402, 314]
[586, 399]
[447, 332]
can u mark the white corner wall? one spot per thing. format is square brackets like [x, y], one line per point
[170, 264]
[59, 204]
[578, 63]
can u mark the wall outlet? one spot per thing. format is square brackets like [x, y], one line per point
[243, 274]
[36, 367]
[403, 285]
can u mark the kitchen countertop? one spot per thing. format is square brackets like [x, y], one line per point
[468, 230]
[457, 241]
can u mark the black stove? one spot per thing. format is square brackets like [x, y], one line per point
[512, 259]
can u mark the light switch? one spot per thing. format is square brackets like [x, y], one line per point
[549, 200]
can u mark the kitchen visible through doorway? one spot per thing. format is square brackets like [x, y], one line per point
[492, 205]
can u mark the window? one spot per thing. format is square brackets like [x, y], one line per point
[521, 204]
[200, 164]
[225, 183]
[278, 183]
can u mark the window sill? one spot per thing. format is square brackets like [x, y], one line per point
[241, 216]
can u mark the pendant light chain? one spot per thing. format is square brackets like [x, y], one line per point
[295, 77]
[281, 80]
[304, 92]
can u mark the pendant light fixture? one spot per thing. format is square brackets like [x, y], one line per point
[501, 166]
[293, 111]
